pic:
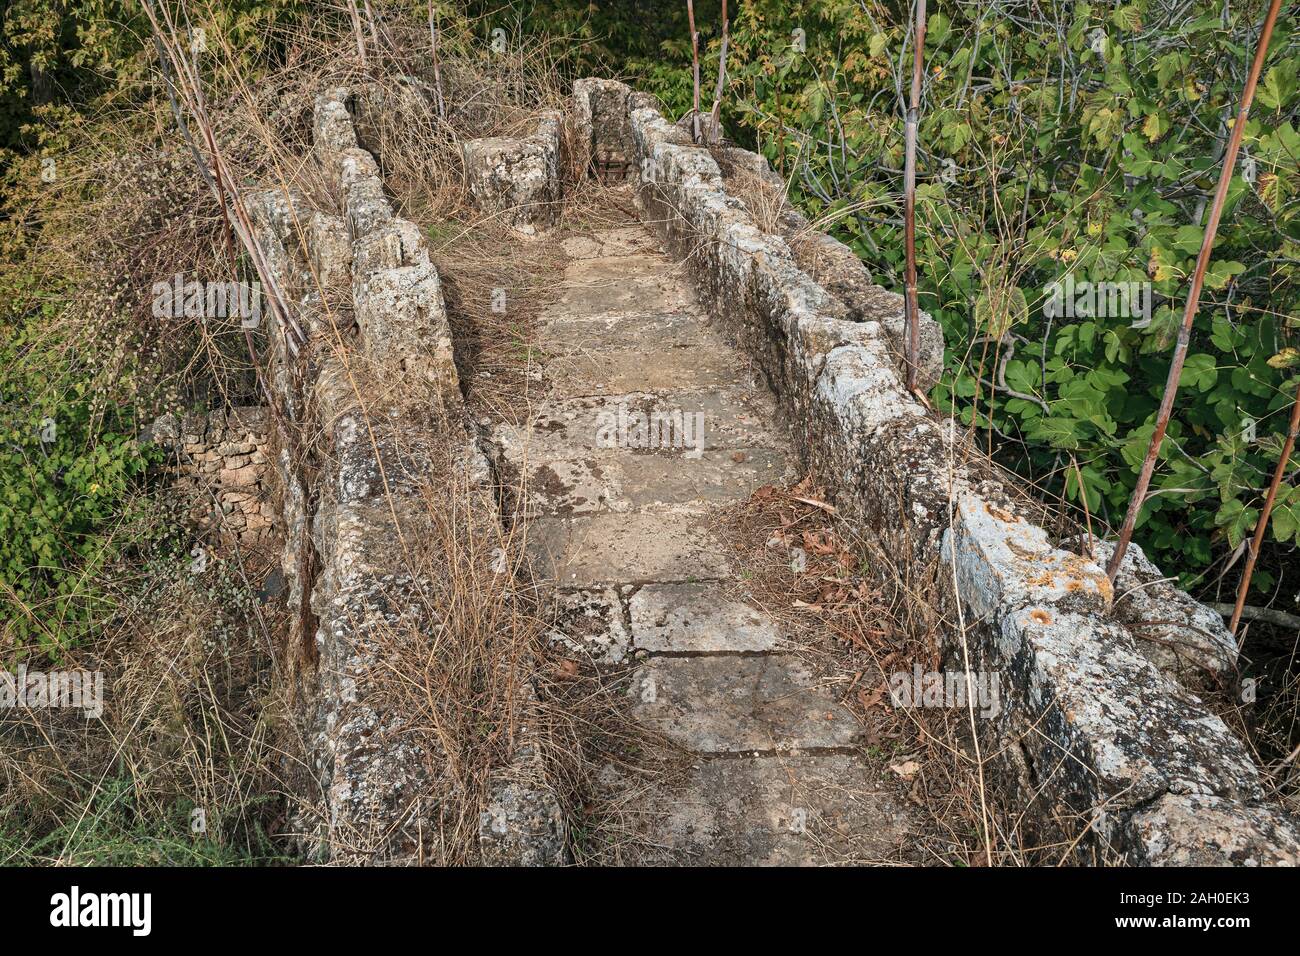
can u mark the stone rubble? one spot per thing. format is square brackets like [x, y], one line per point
[220, 463]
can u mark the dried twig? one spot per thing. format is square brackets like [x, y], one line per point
[1251, 613]
[355, 15]
[439, 103]
[1262, 524]
[715, 115]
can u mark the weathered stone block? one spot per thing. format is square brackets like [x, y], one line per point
[523, 826]
[1177, 633]
[600, 117]
[518, 180]
[403, 323]
[677, 618]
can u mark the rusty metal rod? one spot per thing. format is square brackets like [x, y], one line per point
[1193, 299]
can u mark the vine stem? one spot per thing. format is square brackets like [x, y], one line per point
[1262, 524]
[695, 72]
[909, 194]
[1193, 298]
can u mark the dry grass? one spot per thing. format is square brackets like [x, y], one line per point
[857, 616]
[193, 719]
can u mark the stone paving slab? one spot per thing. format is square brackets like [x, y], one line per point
[591, 622]
[680, 618]
[605, 549]
[653, 369]
[619, 241]
[620, 481]
[569, 334]
[650, 422]
[598, 270]
[733, 417]
[732, 704]
[715, 478]
[609, 291]
[804, 810]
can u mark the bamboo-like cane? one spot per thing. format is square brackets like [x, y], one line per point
[1278, 474]
[437, 73]
[909, 194]
[695, 70]
[370, 22]
[1193, 298]
[715, 114]
[355, 16]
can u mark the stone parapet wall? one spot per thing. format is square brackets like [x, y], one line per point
[1110, 757]
[381, 438]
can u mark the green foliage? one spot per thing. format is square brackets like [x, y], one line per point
[116, 831]
[649, 41]
[69, 53]
[67, 465]
[1078, 140]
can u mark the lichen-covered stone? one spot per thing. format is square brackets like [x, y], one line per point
[1177, 633]
[523, 826]
[379, 416]
[1188, 830]
[600, 111]
[332, 130]
[518, 180]
[403, 323]
[395, 243]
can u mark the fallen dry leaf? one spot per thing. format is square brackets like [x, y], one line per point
[869, 699]
[907, 769]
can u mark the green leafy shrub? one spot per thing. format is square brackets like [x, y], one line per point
[67, 465]
[75, 51]
[1077, 141]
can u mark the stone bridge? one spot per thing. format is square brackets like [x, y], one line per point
[693, 358]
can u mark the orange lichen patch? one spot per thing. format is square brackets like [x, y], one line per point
[1106, 589]
[1077, 565]
[1039, 616]
[1001, 513]
[1046, 579]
